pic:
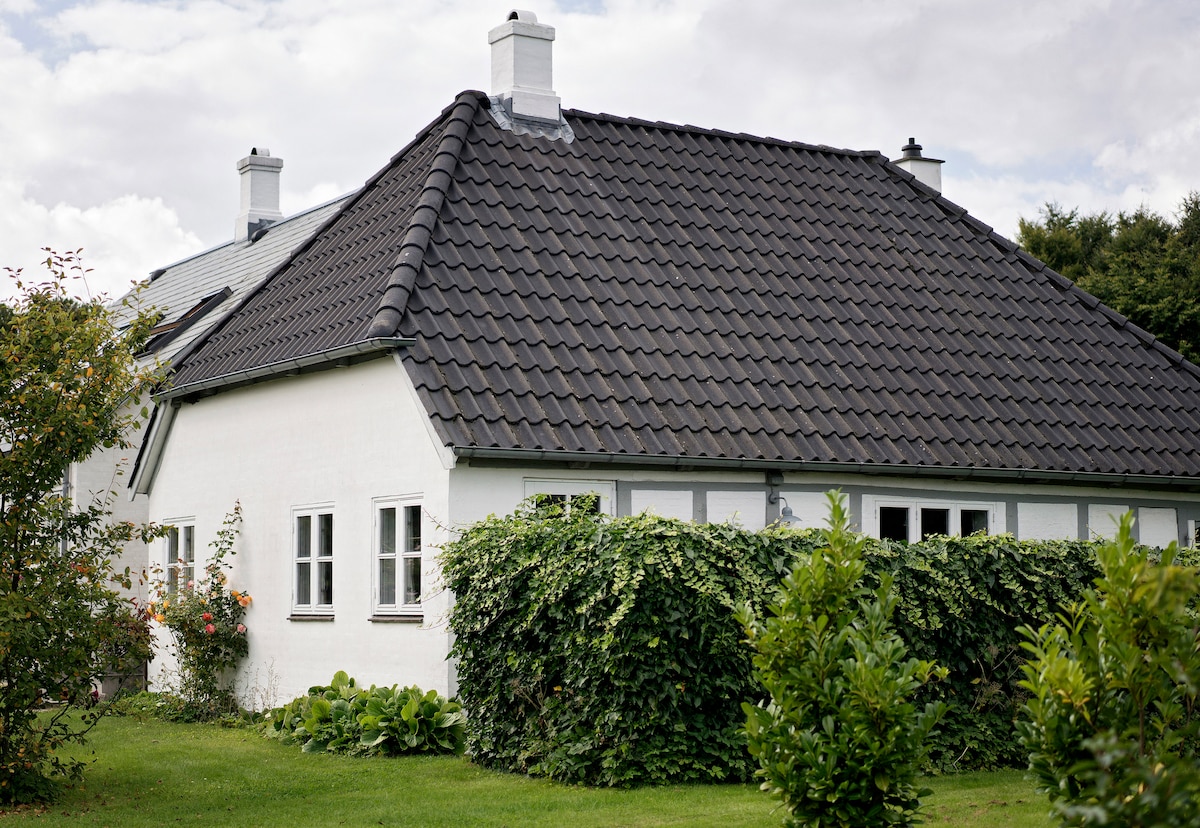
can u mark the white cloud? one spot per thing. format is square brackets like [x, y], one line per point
[136, 112]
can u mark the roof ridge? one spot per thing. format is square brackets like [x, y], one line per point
[403, 276]
[718, 133]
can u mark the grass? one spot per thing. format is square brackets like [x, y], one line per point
[148, 773]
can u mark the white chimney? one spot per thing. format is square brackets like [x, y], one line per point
[926, 170]
[260, 193]
[522, 70]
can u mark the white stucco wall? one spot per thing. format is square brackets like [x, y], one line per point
[341, 437]
[103, 478]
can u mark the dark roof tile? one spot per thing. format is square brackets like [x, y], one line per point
[663, 291]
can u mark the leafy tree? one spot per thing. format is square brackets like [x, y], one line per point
[1112, 725]
[1140, 264]
[840, 742]
[66, 377]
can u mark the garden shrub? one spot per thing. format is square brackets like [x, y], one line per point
[840, 741]
[205, 622]
[343, 717]
[574, 631]
[961, 601]
[1112, 722]
[605, 651]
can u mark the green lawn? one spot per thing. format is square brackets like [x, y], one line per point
[155, 774]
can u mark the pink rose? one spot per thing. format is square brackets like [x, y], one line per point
[207, 616]
[210, 629]
[241, 628]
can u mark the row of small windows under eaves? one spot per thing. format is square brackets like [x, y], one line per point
[909, 519]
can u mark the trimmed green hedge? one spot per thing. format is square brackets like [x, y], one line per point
[605, 650]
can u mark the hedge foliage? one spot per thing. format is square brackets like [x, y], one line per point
[605, 650]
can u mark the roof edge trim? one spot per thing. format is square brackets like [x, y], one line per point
[330, 358]
[1099, 479]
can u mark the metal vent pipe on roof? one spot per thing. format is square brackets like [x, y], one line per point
[926, 170]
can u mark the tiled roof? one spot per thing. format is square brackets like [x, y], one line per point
[237, 265]
[657, 293]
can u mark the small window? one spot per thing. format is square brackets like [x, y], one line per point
[313, 562]
[893, 523]
[917, 519]
[397, 557]
[935, 522]
[595, 496]
[973, 521]
[180, 563]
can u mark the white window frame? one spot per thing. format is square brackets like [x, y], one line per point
[179, 555]
[319, 558]
[871, 504]
[1193, 539]
[571, 489]
[405, 549]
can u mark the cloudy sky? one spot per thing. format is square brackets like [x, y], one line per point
[123, 119]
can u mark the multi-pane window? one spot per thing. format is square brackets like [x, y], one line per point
[180, 565]
[397, 557]
[915, 520]
[593, 495]
[313, 561]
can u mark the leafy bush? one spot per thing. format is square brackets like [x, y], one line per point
[1112, 721]
[343, 717]
[961, 601]
[840, 741]
[605, 651]
[578, 634]
[205, 622]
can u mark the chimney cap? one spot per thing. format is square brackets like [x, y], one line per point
[912, 149]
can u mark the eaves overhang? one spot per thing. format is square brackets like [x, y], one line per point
[580, 459]
[342, 355]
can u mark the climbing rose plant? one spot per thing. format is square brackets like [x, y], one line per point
[205, 622]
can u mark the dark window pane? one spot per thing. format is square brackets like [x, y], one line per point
[412, 528]
[387, 581]
[303, 584]
[325, 583]
[586, 503]
[893, 523]
[304, 536]
[935, 522]
[325, 536]
[974, 520]
[387, 531]
[412, 580]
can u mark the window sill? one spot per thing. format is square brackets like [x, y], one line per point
[398, 618]
[312, 617]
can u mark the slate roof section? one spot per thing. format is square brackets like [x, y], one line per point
[239, 266]
[658, 293]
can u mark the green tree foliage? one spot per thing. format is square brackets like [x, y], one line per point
[66, 376]
[1112, 726]
[840, 742]
[1140, 264]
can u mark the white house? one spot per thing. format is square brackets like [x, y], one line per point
[531, 300]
